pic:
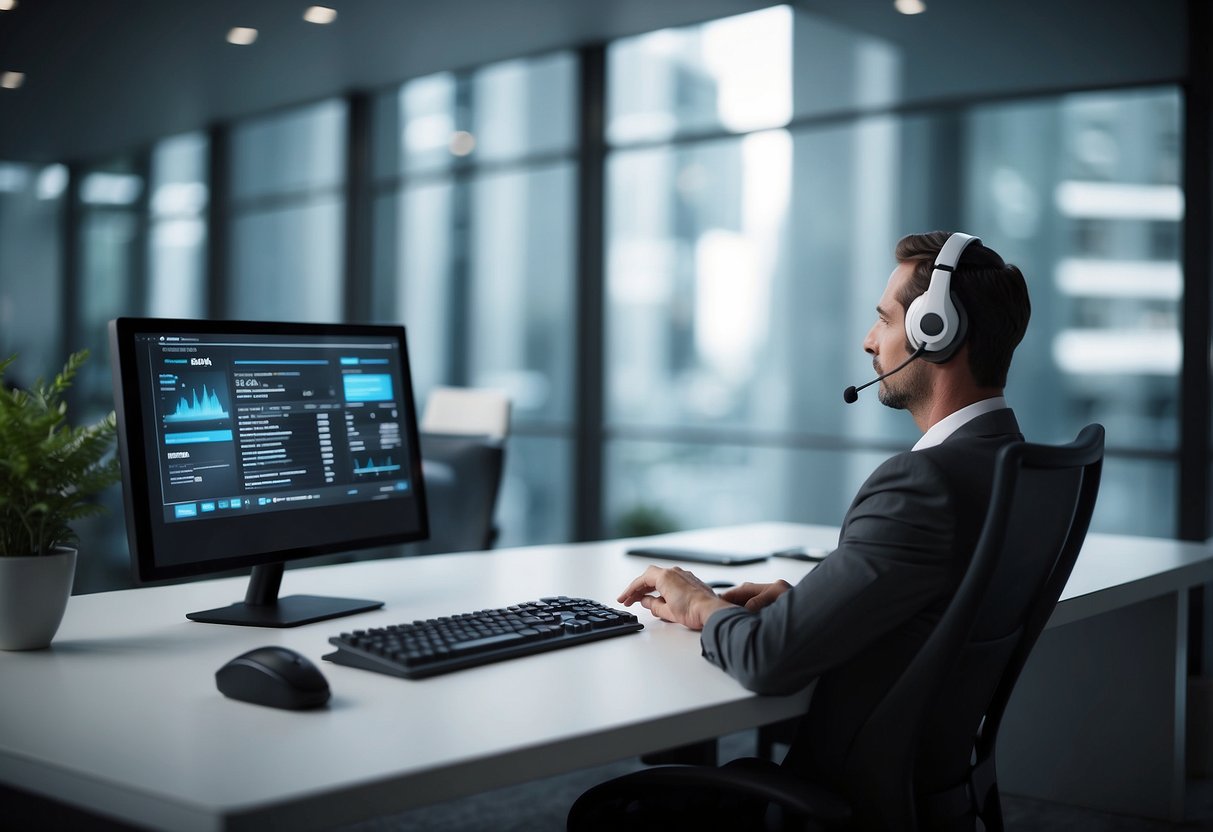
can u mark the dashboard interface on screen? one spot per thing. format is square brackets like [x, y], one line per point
[291, 442]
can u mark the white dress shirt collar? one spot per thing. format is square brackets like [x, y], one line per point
[949, 424]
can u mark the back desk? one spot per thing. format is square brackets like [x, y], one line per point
[121, 716]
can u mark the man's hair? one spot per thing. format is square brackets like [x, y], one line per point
[992, 291]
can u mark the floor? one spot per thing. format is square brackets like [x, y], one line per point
[541, 806]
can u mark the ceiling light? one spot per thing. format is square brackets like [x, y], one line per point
[315, 14]
[7, 5]
[462, 143]
[12, 80]
[910, 6]
[52, 182]
[241, 36]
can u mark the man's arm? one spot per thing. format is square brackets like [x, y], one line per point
[756, 596]
[894, 558]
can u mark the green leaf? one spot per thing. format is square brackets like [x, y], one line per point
[50, 472]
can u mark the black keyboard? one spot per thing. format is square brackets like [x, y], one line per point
[440, 645]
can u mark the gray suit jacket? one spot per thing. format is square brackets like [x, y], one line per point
[863, 612]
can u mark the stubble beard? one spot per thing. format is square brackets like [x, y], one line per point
[906, 389]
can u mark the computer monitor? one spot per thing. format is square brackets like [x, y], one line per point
[252, 444]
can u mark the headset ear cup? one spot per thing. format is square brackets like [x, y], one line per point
[962, 330]
[913, 339]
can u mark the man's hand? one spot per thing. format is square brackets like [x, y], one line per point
[755, 596]
[681, 597]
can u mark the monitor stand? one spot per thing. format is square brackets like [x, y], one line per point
[263, 608]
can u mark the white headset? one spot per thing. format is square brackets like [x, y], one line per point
[936, 322]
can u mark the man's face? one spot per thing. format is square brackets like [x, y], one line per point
[886, 343]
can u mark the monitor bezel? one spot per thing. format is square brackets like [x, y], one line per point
[132, 443]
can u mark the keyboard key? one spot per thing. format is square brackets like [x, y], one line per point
[486, 642]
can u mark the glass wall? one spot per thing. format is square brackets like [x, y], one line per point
[1085, 192]
[287, 187]
[742, 272]
[474, 228]
[111, 277]
[177, 238]
[31, 269]
[732, 74]
[110, 281]
[760, 169]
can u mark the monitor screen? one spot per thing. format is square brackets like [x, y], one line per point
[246, 444]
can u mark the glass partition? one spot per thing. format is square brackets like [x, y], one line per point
[742, 271]
[288, 216]
[111, 270]
[31, 269]
[178, 234]
[474, 251]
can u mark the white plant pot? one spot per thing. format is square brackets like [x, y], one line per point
[33, 595]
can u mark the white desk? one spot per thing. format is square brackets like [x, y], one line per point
[121, 715]
[1098, 717]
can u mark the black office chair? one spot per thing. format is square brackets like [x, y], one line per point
[924, 756]
[462, 478]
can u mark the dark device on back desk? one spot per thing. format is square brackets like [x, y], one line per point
[696, 555]
[251, 444]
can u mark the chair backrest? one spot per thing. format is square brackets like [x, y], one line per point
[462, 478]
[467, 411]
[945, 708]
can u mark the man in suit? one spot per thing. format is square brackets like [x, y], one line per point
[906, 540]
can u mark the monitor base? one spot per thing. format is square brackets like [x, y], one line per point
[290, 611]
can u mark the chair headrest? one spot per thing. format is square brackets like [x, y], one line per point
[464, 411]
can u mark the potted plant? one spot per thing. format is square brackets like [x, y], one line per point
[49, 473]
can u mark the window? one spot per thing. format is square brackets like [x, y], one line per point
[288, 216]
[177, 242]
[743, 265]
[760, 168]
[111, 269]
[474, 227]
[1083, 190]
[732, 74]
[31, 293]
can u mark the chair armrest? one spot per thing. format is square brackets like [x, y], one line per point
[746, 778]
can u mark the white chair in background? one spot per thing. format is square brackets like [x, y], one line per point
[467, 411]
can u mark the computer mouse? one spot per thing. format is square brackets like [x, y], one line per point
[274, 676]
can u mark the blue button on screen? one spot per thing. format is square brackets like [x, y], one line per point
[367, 387]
